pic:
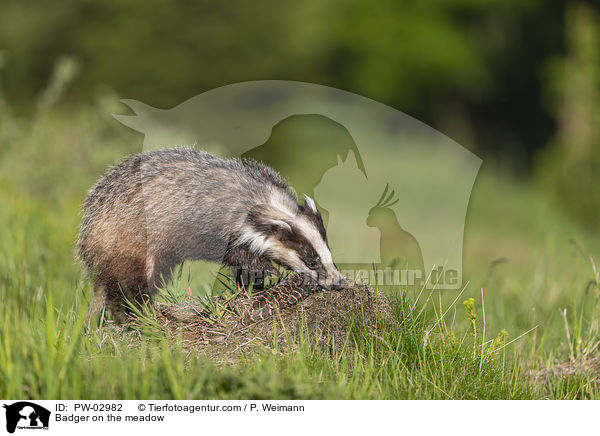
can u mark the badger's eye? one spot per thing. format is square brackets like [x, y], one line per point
[312, 264]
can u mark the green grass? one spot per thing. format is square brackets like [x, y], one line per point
[47, 165]
[46, 352]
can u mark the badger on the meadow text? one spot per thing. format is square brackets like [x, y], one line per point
[156, 209]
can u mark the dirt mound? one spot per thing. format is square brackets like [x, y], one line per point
[277, 319]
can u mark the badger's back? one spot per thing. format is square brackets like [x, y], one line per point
[170, 205]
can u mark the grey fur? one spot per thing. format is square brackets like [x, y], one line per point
[156, 209]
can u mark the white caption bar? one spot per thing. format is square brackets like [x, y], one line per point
[293, 417]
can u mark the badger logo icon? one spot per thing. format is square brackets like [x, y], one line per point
[26, 415]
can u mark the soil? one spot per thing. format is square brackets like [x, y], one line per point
[278, 319]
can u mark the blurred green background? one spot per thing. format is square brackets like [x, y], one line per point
[514, 81]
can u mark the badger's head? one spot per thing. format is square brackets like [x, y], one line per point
[293, 235]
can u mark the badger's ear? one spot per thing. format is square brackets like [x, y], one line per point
[310, 203]
[280, 224]
[264, 224]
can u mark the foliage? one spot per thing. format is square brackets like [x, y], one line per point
[570, 166]
[469, 68]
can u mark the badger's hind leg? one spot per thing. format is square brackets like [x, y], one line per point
[115, 300]
[97, 303]
[131, 283]
[110, 296]
[128, 281]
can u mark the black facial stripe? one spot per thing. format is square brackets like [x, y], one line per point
[293, 240]
[302, 246]
[310, 258]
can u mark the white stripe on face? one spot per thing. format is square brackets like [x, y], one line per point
[313, 236]
[283, 205]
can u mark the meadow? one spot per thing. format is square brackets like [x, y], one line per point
[526, 325]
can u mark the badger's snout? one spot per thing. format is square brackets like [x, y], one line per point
[340, 284]
[333, 282]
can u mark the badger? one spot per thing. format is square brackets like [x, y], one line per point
[156, 209]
